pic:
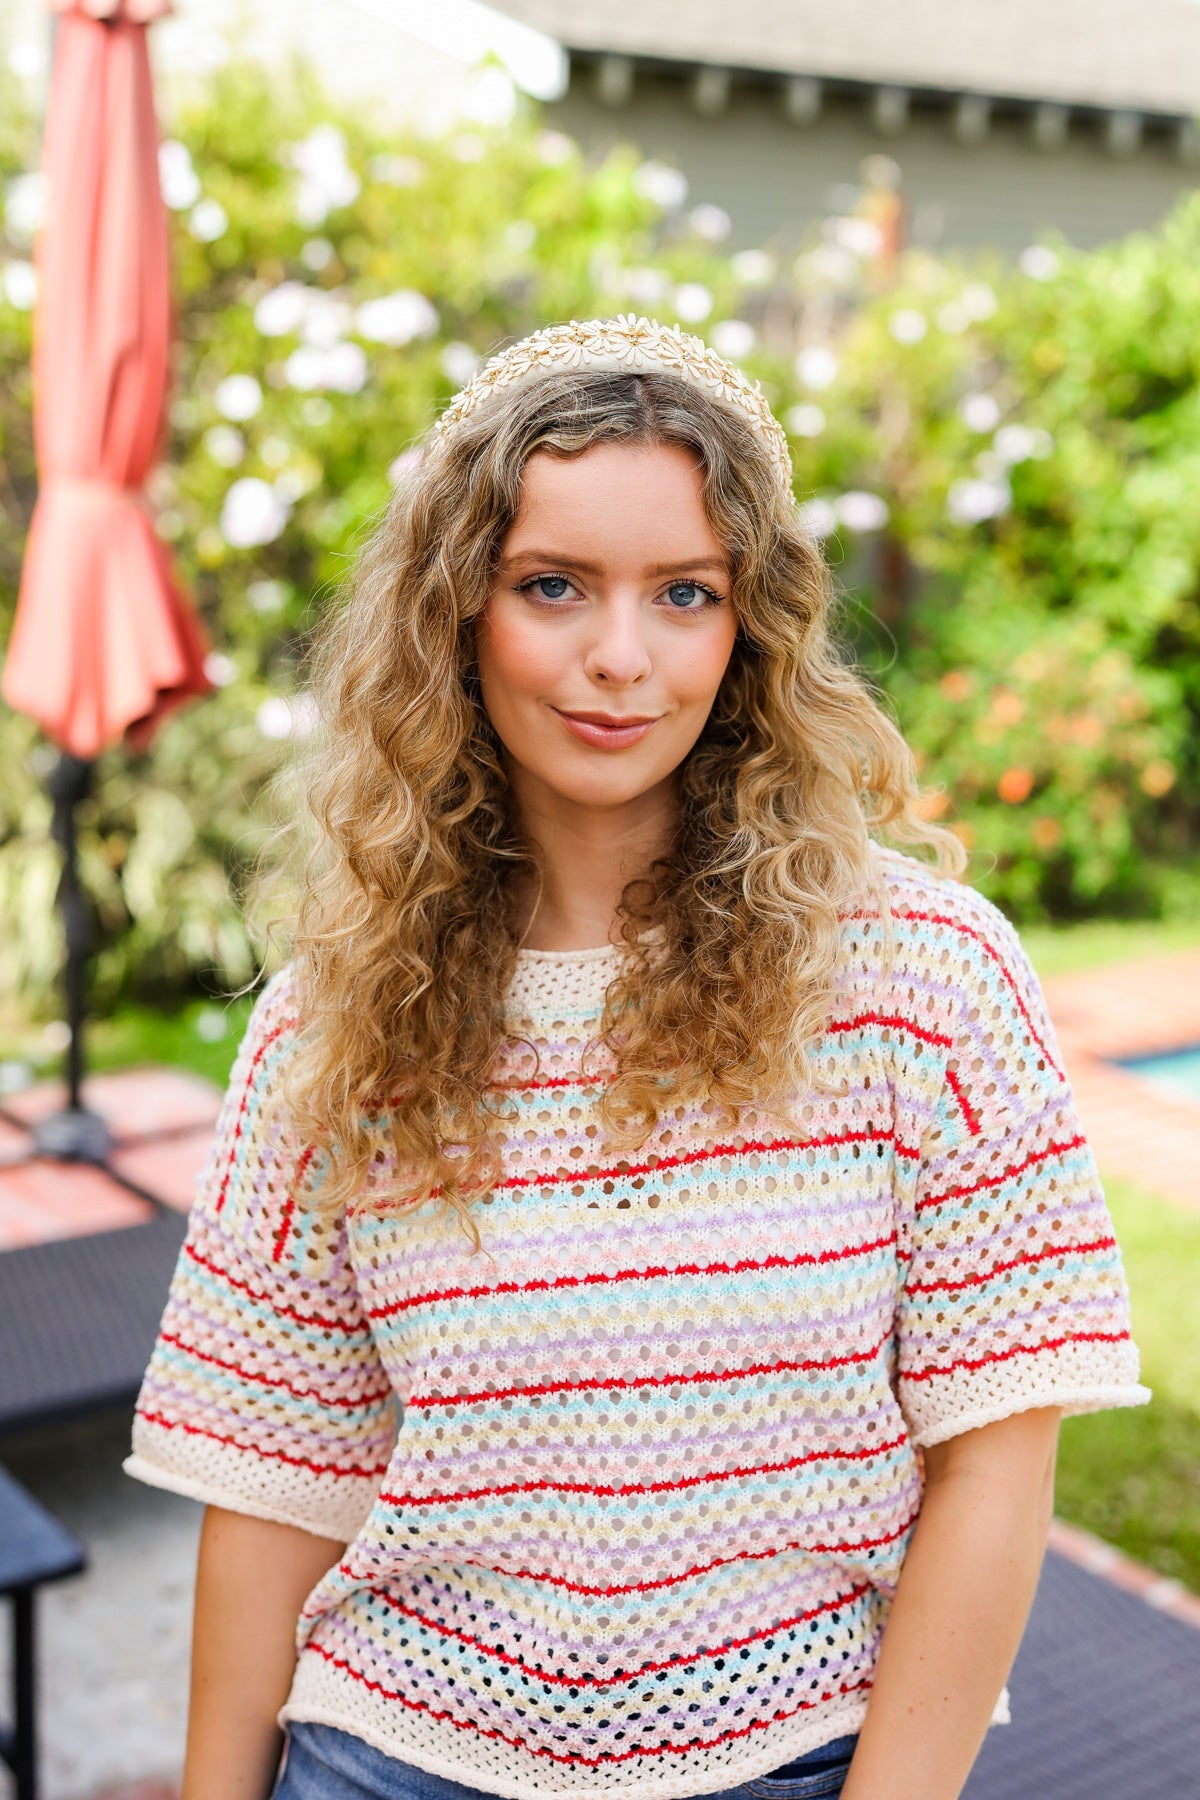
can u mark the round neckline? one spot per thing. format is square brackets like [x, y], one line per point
[593, 953]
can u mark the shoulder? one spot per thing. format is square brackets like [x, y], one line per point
[935, 916]
[271, 1032]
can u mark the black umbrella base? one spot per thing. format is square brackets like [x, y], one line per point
[73, 1135]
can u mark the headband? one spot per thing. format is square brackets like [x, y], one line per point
[628, 346]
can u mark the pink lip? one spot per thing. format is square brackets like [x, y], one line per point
[607, 731]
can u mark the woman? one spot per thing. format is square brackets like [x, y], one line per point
[700, 1177]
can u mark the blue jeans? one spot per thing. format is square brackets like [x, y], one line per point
[322, 1763]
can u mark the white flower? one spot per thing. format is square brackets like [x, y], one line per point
[860, 511]
[344, 368]
[326, 179]
[969, 502]
[908, 326]
[816, 366]
[238, 397]
[316, 254]
[290, 486]
[326, 318]
[253, 513]
[404, 465]
[805, 421]
[953, 318]
[490, 97]
[753, 268]
[280, 717]
[396, 318]
[979, 412]
[819, 518]
[220, 669]
[282, 310]
[978, 300]
[20, 285]
[733, 338]
[554, 148]
[859, 236]
[267, 596]
[209, 221]
[1038, 262]
[225, 445]
[1020, 443]
[646, 286]
[459, 362]
[26, 61]
[25, 206]
[693, 302]
[317, 411]
[662, 185]
[468, 147]
[178, 179]
[712, 223]
[396, 171]
[835, 264]
[304, 368]
[210, 1024]
[520, 236]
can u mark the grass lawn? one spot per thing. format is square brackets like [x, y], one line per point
[1133, 1475]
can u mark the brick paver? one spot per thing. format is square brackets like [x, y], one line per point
[1140, 1008]
[162, 1122]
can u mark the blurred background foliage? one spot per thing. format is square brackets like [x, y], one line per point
[1004, 464]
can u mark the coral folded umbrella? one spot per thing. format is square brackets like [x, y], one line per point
[104, 642]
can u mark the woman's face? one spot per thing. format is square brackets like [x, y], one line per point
[608, 627]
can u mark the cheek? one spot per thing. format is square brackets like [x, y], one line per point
[515, 657]
[696, 674]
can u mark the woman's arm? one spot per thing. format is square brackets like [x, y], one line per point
[961, 1603]
[252, 1578]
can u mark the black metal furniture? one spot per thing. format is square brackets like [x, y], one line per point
[34, 1549]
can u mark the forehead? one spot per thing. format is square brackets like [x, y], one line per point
[614, 495]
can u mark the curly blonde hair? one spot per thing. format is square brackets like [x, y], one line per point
[404, 936]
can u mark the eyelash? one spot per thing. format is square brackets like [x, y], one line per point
[531, 581]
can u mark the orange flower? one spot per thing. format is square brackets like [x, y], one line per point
[932, 805]
[955, 684]
[1015, 785]
[1007, 708]
[1046, 833]
[1157, 778]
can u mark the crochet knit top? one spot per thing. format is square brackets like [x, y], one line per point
[626, 1496]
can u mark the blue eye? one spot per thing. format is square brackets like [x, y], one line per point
[547, 587]
[689, 596]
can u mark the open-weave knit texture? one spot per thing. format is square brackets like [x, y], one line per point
[658, 1454]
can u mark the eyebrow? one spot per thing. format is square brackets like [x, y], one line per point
[555, 559]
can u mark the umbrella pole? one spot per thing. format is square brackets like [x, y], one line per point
[74, 1134]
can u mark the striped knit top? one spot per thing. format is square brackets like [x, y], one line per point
[625, 1497]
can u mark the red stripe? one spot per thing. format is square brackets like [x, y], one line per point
[896, 1024]
[245, 1102]
[294, 1462]
[285, 1221]
[596, 1278]
[550, 1082]
[281, 1312]
[982, 1362]
[623, 1384]
[550, 1678]
[1028, 1259]
[710, 1479]
[190, 1350]
[559, 1756]
[968, 931]
[1012, 1170]
[689, 1158]
[592, 1591]
[968, 1111]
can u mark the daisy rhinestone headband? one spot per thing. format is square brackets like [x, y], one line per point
[628, 345]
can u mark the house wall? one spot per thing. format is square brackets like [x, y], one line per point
[773, 177]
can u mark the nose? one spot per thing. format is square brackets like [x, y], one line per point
[618, 656]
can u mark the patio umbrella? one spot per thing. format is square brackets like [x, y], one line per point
[104, 642]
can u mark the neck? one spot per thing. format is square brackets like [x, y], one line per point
[587, 855]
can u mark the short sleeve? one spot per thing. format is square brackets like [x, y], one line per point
[265, 1393]
[1013, 1293]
